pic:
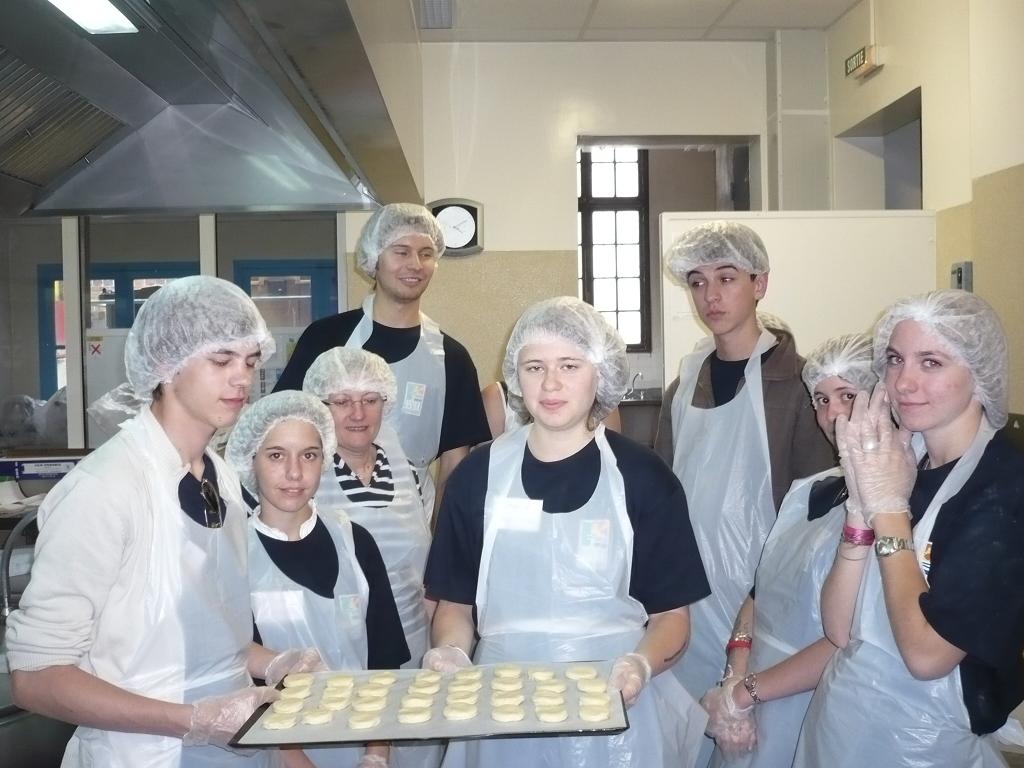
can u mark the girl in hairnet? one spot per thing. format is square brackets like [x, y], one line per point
[136, 623]
[778, 650]
[930, 614]
[564, 541]
[316, 580]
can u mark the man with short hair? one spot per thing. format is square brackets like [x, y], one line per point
[439, 413]
[737, 429]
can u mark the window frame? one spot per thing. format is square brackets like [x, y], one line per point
[587, 204]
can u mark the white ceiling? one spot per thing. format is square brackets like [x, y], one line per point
[547, 20]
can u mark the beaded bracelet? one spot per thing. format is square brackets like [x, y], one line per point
[859, 537]
[750, 683]
[739, 642]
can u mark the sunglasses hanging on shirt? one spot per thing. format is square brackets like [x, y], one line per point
[213, 506]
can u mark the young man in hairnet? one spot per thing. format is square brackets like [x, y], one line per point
[439, 413]
[136, 625]
[737, 429]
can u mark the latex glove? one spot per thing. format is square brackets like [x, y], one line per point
[289, 662]
[446, 659]
[372, 761]
[733, 729]
[216, 719]
[878, 456]
[630, 673]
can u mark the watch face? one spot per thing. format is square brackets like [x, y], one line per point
[458, 226]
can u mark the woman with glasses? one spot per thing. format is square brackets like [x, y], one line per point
[925, 599]
[316, 580]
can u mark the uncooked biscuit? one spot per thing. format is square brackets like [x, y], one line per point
[369, 705]
[279, 721]
[382, 678]
[372, 692]
[552, 714]
[318, 716]
[541, 674]
[542, 699]
[460, 711]
[509, 713]
[341, 681]
[591, 686]
[507, 671]
[594, 714]
[467, 687]
[551, 686]
[414, 701]
[595, 700]
[414, 715]
[363, 720]
[334, 703]
[299, 692]
[428, 676]
[466, 697]
[505, 699]
[471, 673]
[298, 680]
[424, 689]
[287, 706]
[581, 672]
[509, 684]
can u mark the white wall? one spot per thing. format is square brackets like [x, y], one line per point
[501, 120]
[902, 153]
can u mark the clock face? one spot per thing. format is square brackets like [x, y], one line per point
[458, 226]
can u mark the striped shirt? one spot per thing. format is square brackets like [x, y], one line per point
[381, 490]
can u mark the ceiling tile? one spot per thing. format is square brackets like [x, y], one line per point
[740, 33]
[785, 14]
[521, 14]
[656, 34]
[651, 14]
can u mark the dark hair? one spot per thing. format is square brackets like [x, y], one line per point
[158, 392]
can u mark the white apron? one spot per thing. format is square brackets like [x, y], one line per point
[555, 587]
[721, 457]
[417, 415]
[403, 535]
[796, 560]
[198, 640]
[290, 616]
[867, 689]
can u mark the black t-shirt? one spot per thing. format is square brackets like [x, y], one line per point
[312, 562]
[464, 421]
[726, 376]
[975, 599]
[191, 501]
[667, 570]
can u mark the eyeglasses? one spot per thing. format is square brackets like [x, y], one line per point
[346, 404]
[212, 503]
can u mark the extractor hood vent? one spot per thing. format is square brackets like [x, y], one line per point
[44, 126]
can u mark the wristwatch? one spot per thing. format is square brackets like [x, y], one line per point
[890, 545]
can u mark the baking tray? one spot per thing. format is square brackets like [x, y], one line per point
[338, 732]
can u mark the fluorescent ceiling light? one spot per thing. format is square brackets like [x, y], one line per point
[97, 17]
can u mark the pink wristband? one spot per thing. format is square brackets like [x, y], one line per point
[859, 537]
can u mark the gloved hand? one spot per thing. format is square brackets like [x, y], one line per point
[289, 662]
[879, 457]
[630, 673]
[372, 761]
[733, 729]
[216, 719]
[446, 659]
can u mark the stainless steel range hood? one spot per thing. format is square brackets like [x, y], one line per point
[214, 105]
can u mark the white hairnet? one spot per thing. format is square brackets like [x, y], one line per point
[973, 334]
[846, 357]
[188, 317]
[262, 416]
[714, 242]
[569, 319]
[351, 369]
[388, 224]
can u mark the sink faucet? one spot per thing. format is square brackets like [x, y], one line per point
[632, 384]
[5, 563]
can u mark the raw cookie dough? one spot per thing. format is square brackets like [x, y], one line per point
[287, 706]
[428, 676]
[318, 716]
[552, 714]
[371, 691]
[541, 674]
[472, 673]
[509, 713]
[414, 715]
[581, 672]
[551, 686]
[299, 679]
[301, 692]
[505, 699]
[467, 697]
[362, 720]
[383, 678]
[507, 671]
[369, 705]
[413, 701]
[341, 681]
[469, 686]
[279, 721]
[459, 711]
[594, 714]
[503, 684]
[591, 686]
[424, 689]
[334, 703]
[595, 700]
[541, 699]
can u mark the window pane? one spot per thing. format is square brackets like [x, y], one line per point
[604, 261]
[629, 261]
[604, 295]
[579, 261]
[579, 179]
[602, 154]
[629, 327]
[629, 293]
[602, 179]
[579, 228]
[625, 154]
[611, 318]
[627, 180]
[602, 227]
[579, 289]
[628, 226]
